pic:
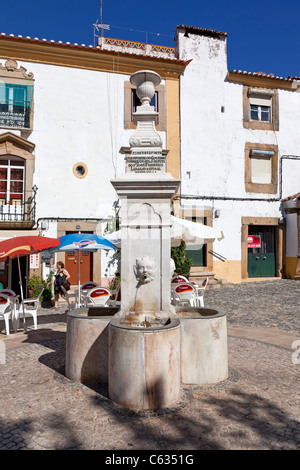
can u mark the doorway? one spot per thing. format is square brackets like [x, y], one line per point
[86, 264]
[261, 251]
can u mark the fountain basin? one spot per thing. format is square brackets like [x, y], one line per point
[144, 365]
[204, 355]
[87, 344]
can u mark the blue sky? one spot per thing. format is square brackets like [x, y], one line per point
[263, 36]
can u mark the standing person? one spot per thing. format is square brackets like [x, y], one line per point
[61, 277]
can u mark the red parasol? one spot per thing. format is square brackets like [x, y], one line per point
[22, 246]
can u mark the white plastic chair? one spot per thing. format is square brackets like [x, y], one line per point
[115, 296]
[68, 297]
[200, 292]
[31, 307]
[185, 294]
[89, 285]
[98, 296]
[178, 279]
[6, 310]
[14, 298]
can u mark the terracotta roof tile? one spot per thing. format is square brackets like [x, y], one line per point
[84, 46]
[295, 196]
[262, 74]
[202, 31]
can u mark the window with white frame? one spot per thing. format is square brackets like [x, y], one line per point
[12, 178]
[260, 108]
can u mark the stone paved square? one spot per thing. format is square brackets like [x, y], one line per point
[257, 408]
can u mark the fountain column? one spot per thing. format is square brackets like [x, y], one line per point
[144, 348]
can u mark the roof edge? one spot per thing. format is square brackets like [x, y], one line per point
[202, 31]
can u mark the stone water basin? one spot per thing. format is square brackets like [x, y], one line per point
[204, 352]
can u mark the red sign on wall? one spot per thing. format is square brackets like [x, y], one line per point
[254, 241]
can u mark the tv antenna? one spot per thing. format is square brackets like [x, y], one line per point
[101, 26]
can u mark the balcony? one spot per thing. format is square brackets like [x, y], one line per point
[16, 116]
[18, 213]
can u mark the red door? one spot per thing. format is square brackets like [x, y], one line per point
[86, 265]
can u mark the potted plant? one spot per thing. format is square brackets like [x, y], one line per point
[183, 264]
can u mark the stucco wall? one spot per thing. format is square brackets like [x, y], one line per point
[213, 142]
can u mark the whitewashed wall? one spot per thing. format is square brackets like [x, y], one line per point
[78, 117]
[213, 142]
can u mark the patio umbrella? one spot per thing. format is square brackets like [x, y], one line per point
[190, 232]
[22, 246]
[82, 242]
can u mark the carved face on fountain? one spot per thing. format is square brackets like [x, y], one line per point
[145, 269]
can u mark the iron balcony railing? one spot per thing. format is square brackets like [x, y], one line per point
[18, 210]
[15, 115]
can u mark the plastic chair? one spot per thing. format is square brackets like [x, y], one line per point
[31, 307]
[14, 298]
[116, 296]
[200, 291]
[6, 309]
[68, 297]
[98, 296]
[185, 294]
[178, 279]
[89, 285]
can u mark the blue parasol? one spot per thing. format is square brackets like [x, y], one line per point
[83, 242]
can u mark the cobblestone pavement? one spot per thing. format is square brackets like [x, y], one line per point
[269, 304]
[256, 408]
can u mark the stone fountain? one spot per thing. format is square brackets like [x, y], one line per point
[146, 349]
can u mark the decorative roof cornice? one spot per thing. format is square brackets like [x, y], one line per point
[261, 79]
[86, 57]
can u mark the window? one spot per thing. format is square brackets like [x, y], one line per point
[261, 168]
[12, 179]
[80, 170]
[131, 101]
[201, 255]
[197, 253]
[15, 105]
[16, 96]
[135, 101]
[260, 109]
[260, 113]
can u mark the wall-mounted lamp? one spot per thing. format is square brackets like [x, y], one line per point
[217, 213]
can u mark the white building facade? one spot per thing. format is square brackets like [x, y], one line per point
[65, 122]
[231, 136]
[240, 156]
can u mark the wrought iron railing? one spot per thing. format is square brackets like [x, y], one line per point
[15, 115]
[18, 210]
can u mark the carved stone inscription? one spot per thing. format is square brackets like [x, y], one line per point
[146, 162]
